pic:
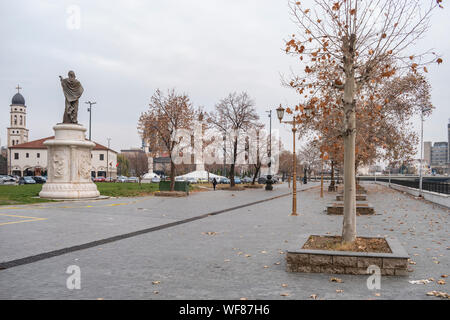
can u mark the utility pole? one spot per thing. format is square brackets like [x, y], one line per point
[423, 110]
[224, 154]
[108, 173]
[269, 181]
[90, 115]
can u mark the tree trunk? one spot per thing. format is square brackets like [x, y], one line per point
[332, 183]
[233, 165]
[349, 222]
[172, 175]
[257, 167]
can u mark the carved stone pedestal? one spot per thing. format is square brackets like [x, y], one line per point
[69, 165]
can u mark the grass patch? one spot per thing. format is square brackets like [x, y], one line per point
[25, 194]
[11, 194]
[127, 189]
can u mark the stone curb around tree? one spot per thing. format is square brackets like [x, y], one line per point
[347, 262]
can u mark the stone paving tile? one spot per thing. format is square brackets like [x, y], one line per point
[244, 256]
[74, 223]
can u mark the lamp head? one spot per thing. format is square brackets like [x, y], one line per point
[280, 113]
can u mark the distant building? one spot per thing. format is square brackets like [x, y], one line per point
[439, 157]
[448, 151]
[439, 154]
[427, 152]
[29, 158]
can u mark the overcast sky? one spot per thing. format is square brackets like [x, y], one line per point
[125, 50]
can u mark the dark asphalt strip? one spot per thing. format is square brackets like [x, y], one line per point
[55, 253]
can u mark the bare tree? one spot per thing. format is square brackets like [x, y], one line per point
[160, 125]
[233, 115]
[138, 163]
[358, 43]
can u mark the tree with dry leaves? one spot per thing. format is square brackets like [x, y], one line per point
[348, 48]
[234, 115]
[383, 122]
[160, 125]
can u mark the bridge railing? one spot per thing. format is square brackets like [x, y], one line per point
[438, 187]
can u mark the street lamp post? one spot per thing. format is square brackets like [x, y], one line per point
[293, 123]
[90, 115]
[224, 153]
[423, 110]
[269, 181]
[108, 173]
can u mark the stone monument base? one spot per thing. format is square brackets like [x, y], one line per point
[69, 165]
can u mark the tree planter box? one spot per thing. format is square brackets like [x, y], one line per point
[359, 197]
[347, 262]
[175, 194]
[362, 208]
[253, 186]
[332, 188]
[360, 189]
[228, 188]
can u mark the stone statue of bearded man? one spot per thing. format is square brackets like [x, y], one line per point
[72, 92]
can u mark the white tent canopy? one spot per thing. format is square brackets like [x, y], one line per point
[149, 175]
[200, 175]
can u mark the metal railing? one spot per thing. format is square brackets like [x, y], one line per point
[438, 187]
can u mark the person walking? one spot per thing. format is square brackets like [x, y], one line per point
[214, 183]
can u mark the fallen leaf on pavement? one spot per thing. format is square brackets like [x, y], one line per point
[424, 281]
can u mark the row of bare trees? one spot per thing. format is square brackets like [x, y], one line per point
[169, 113]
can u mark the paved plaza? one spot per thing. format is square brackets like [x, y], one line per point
[218, 254]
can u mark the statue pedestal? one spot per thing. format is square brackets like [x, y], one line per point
[69, 165]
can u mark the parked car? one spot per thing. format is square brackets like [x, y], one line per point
[247, 180]
[100, 179]
[133, 179]
[262, 180]
[237, 180]
[202, 180]
[110, 179]
[40, 179]
[121, 179]
[179, 179]
[26, 180]
[224, 181]
[156, 180]
[7, 179]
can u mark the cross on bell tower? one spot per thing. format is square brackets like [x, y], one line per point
[18, 88]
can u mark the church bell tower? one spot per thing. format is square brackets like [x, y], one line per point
[17, 131]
